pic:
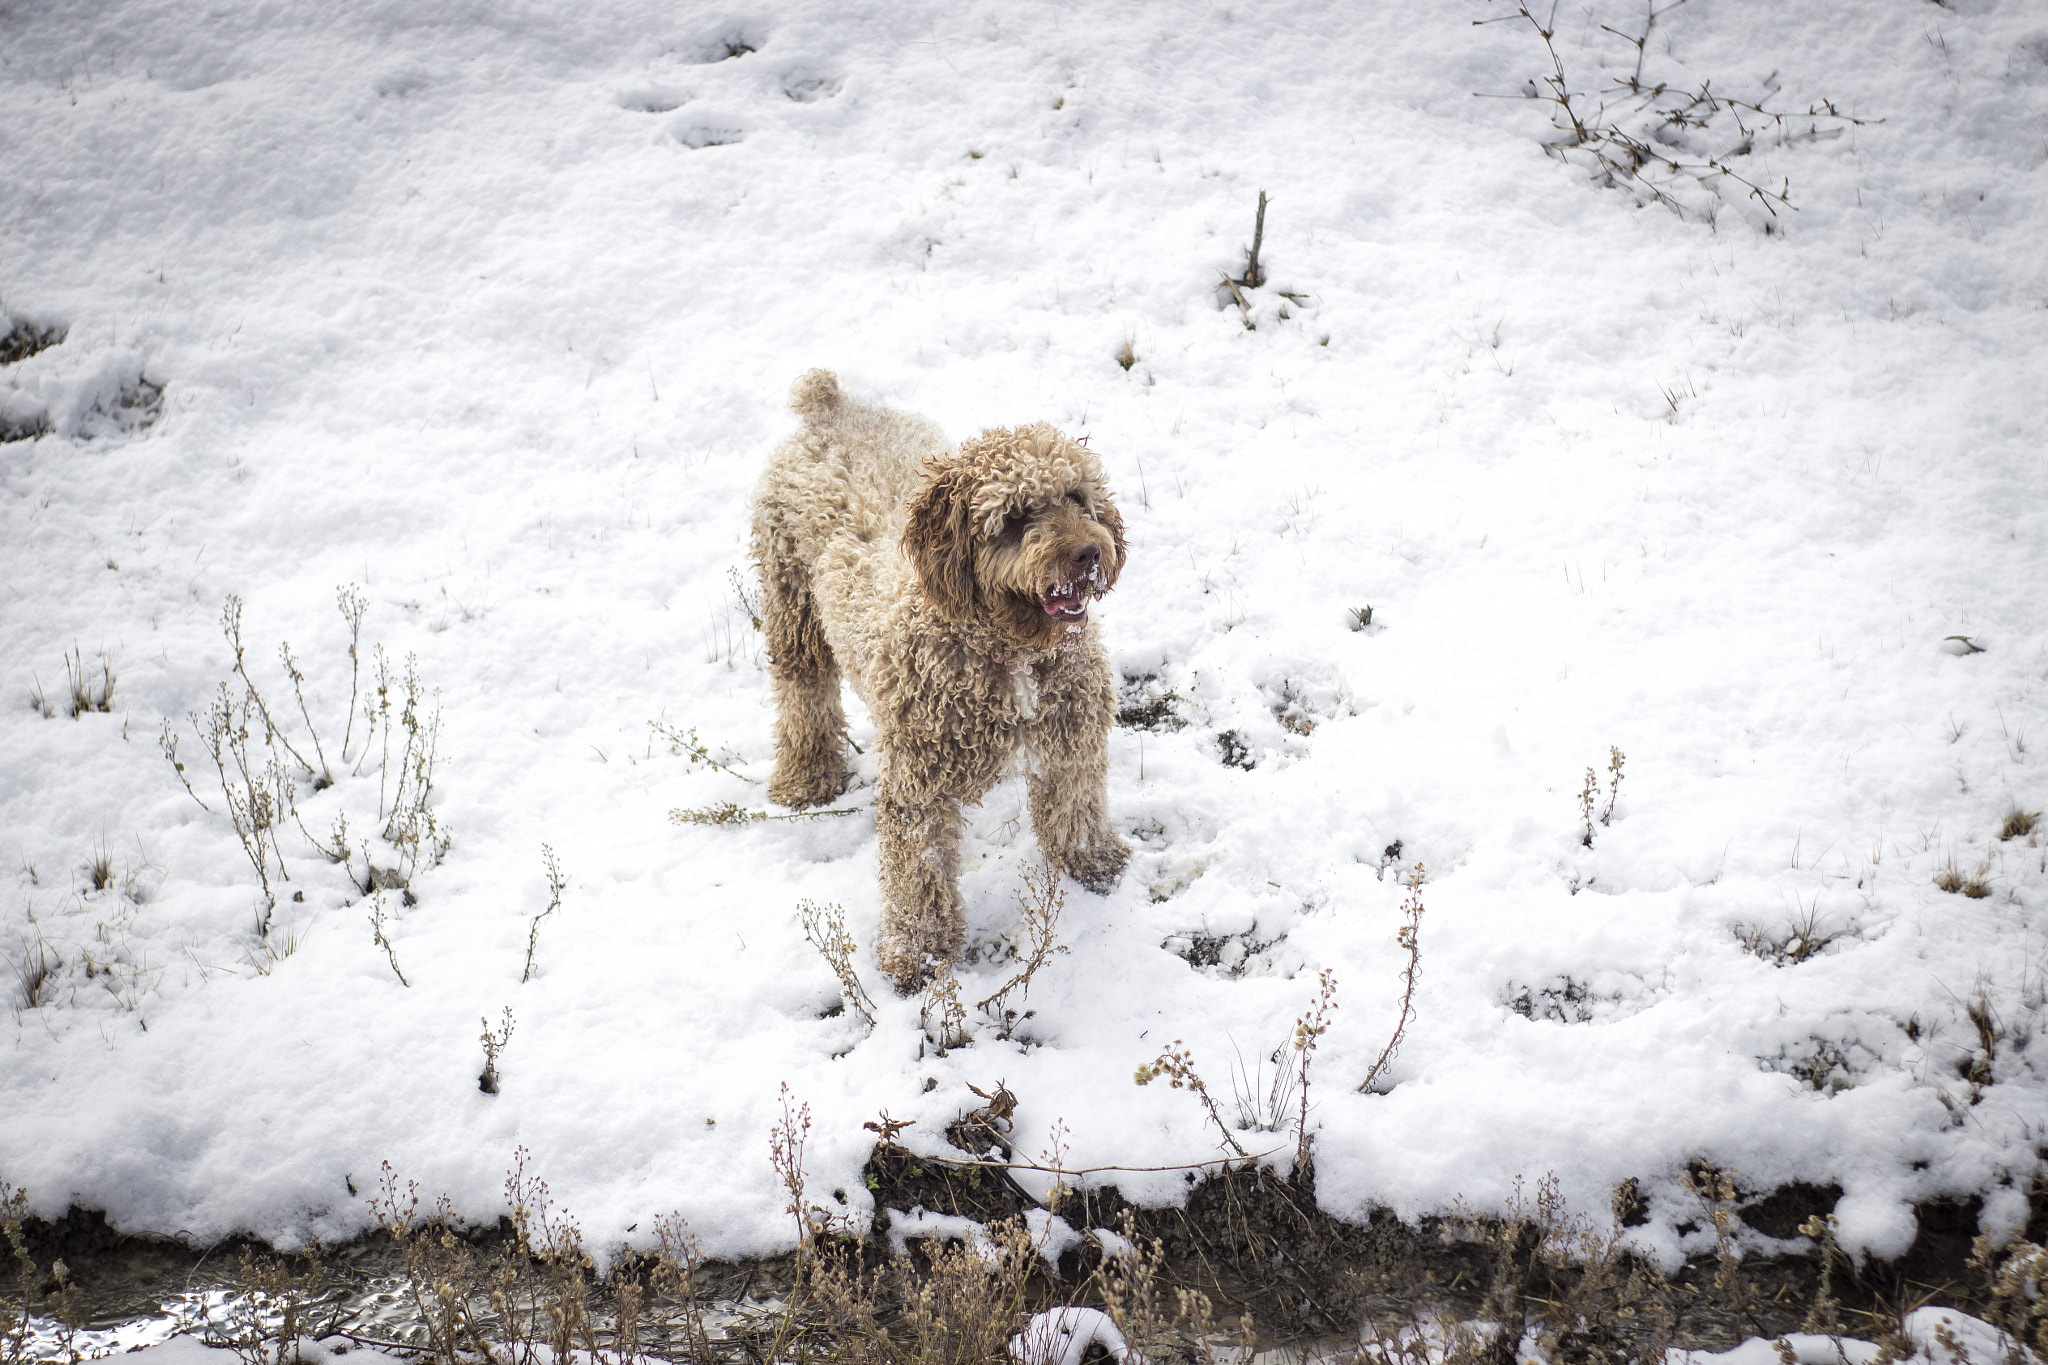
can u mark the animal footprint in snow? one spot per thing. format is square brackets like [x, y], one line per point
[652, 99]
[809, 89]
[697, 137]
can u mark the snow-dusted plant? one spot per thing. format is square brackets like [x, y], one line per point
[1677, 145]
[258, 765]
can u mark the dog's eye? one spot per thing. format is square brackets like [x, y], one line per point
[1079, 499]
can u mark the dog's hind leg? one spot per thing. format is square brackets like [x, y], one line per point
[810, 722]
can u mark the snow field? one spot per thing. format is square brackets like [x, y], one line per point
[491, 313]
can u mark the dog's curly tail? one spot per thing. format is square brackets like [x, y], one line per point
[814, 395]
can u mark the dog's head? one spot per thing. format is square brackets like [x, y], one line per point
[1019, 529]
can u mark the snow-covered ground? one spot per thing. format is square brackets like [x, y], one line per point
[491, 310]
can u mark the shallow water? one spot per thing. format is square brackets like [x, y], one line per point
[125, 1310]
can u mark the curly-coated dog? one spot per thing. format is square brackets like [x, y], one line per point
[951, 586]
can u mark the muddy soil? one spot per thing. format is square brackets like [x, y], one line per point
[1256, 1245]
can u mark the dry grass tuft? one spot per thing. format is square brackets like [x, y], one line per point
[1974, 885]
[89, 689]
[1805, 937]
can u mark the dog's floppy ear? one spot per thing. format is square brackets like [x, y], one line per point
[1113, 520]
[938, 538]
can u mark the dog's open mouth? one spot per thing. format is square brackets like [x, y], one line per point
[1068, 601]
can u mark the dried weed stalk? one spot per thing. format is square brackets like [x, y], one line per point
[264, 1323]
[55, 1296]
[749, 599]
[410, 822]
[1409, 936]
[786, 1142]
[733, 813]
[1589, 795]
[1040, 900]
[825, 927]
[381, 939]
[494, 1041]
[686, 744]
[1714, 1188]
[555, 884]
[528, 1295]
[1267, 1106]
[943, 1016]
[1176, 1066]
[1595, 1302]
[2013, 1279]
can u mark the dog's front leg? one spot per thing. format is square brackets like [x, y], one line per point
[922, 917]
[1069, 798]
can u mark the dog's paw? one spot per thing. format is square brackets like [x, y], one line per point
[804, 788]
[1099, 866]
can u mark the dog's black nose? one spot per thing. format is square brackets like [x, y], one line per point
[1086, 555]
